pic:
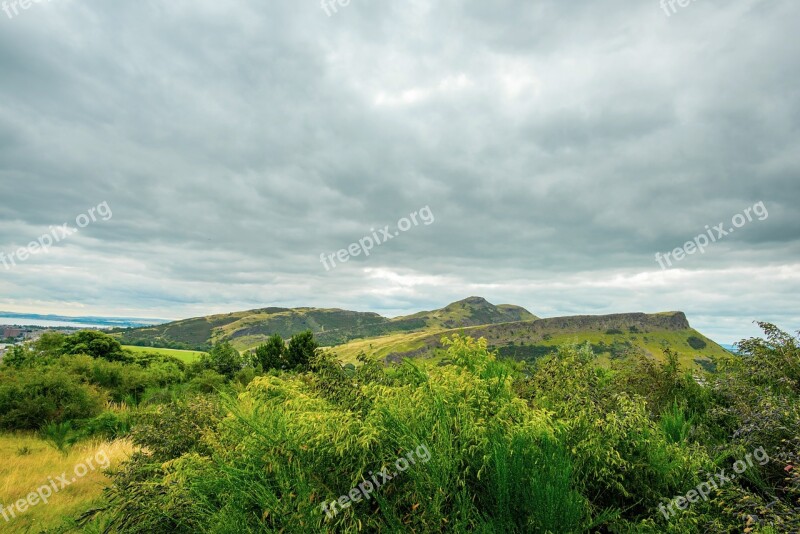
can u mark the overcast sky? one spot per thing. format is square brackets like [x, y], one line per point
[559, 146]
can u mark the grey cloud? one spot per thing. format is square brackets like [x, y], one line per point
[237, 141]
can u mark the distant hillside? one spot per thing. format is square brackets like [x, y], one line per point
[611, 336]
[332, 327]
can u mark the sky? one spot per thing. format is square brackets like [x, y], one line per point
[210, 157]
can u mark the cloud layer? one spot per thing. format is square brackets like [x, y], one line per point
[559, 145]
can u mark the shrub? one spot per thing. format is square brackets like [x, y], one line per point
[207, 381]
[178, 428]
[124, 381]
[30, 398]
[272, 354]
[675, 424]
[571, 447]
[301, 350]
[108, 425]
[58, 435]
[696, 343]
[225, 360]
[93, 343]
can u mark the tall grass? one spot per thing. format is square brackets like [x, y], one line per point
[22, 474]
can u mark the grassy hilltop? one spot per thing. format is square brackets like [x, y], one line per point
[611, 337]
[512, 330]
[332, 327]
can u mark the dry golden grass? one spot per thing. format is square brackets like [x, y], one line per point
[21, 474]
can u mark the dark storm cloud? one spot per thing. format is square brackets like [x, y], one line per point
[559, 145]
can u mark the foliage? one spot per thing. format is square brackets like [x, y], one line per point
[110, 425]
[301, 350]
[171, 430]
[224, 359]
[696, 343]
[566, 443]
[272, 354]
[207, 381]
[29, 398]
[93, 343]
[58, 435]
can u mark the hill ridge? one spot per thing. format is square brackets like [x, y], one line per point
[332, 326]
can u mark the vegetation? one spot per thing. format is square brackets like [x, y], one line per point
[696, 343]
[560, 445]
[30, 462]
[186, 356]
[249, 329]
[270, 440]
[272, 354]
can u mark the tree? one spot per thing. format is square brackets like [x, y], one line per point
[94, 344]
[225, 359]
[18, 356]
[272, 354]
[302, 348]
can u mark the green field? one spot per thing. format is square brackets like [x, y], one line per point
[186, 356]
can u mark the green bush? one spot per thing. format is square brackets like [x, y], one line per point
[123, 380]
[207, 381]
[94, 344]
[696, 343]
[30, 398]
[224, 359]
[301, 350]
[178, 428]
[107, 425]
[58, 435]
[272, 354]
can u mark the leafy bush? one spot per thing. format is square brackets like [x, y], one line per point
[272, 354]
[696, 343]
[108, 425]
[207, 381]
[178, 428]
[675, 424]
[123, 380]
[301, 350]
[93, 343]
[58, 435]
[224, 359]
[296, 441]
[30, 398]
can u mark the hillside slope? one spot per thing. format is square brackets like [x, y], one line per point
[611, 336]
[332, 327]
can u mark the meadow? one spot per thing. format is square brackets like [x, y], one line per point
[30, 462]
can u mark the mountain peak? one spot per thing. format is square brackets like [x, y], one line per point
[470, 301]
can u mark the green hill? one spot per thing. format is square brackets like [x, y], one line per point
[332, 327]
[511, 330]
[611, 336]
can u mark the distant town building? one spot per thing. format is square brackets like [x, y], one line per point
[11, 331]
